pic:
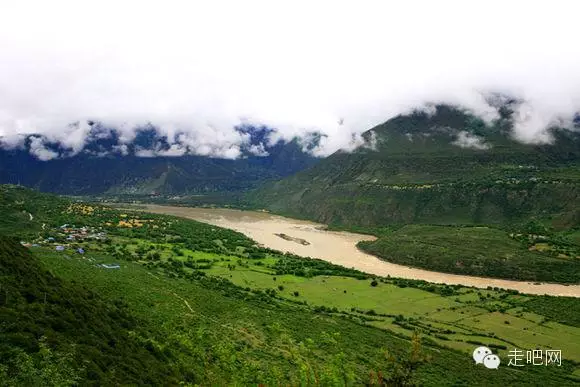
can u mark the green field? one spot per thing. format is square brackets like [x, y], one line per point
[206, 306]
[267, 332]
[488, 316]
[431, 313]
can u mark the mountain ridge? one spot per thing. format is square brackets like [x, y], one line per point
[418, 171]
[105, 166]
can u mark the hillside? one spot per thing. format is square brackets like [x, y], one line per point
[444, 168]
[213, 308]
[432, 171]
[483, 251]
[101, 168]
[57, 332]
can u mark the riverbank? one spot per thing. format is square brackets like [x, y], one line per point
[339, 247]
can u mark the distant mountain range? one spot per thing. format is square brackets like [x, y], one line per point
[107, 166]
[440, 167]
[444, 166]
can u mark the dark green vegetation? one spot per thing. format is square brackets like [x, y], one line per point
[418, 174]
[91, 338]
[132, 176]
[215, 309]
[481, 251]
[17, 205]
[562, 309]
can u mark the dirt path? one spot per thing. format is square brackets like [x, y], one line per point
[339, 247]
[184, 300]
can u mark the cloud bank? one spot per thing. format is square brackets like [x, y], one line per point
[468, 140]
[195, 70]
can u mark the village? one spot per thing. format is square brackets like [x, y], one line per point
[67, 238]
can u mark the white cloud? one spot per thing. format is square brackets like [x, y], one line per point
[200, 68]
[258, 150]
[15, 141]
[39, 149]
[145, 153]
[173, 151]
[468, 140]
[214, 142]
[122, 149]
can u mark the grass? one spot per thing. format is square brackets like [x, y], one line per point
[179, 310]
[329, 291]
[459, 313]
[210, 302]
[480, 251]
[471, 312]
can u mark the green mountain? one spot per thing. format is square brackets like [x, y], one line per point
[57, 332]
[424, 180]
[195, 304]
[443, 168]
[100, 168]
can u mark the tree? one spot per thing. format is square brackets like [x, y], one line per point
[402, 372]
[44, 368]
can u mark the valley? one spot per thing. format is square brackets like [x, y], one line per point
[216, 307]
[376, 194]
[340, 248]
[386, 265]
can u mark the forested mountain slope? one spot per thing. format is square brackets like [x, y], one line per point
[56, 332]
[192, 303]
[101, 168]
[443, 168]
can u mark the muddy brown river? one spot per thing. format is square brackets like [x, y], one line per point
[338, 247]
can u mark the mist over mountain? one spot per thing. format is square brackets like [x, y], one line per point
[417, 147]
[148, 164]
[198, 72]
[438, 166]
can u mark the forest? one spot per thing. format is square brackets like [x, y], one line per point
[195, 304]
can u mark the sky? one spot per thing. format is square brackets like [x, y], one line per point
[197, 69]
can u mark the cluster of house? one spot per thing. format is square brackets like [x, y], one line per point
[79, 233]
[74, 234]
[80, 250]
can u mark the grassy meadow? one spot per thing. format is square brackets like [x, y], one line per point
[218, 309]
[266, 338]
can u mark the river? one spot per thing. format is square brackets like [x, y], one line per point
[338, 247]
